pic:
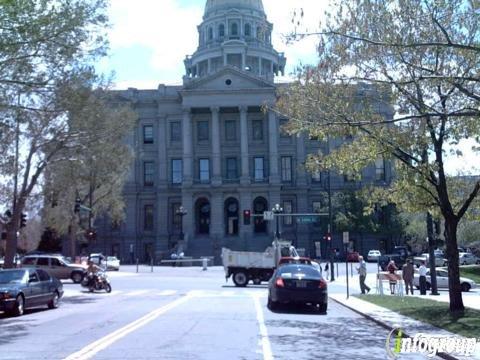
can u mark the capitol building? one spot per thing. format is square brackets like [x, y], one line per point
[210, 148]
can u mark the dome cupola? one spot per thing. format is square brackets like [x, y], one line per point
[214, 6]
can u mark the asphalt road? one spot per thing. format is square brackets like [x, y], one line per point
[185, 313]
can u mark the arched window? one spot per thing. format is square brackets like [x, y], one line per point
[221, 30]
[210, 33]
[248, 30]
[234, 29]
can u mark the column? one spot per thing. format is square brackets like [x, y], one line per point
[243, 61]
[244, 178]
[259, 66]
[197, 70]
[162, 152]
[273, 133]
[300, 170]
[216, 164]
[209, 65]
[187, 147]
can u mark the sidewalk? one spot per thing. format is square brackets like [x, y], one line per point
[392, 320]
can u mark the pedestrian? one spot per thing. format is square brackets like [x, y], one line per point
[327, 274]
[392, 268]
[407, 274]
[362, 272]
[422, 272]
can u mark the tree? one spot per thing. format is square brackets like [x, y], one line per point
[45, 48]
[95, 175]
[421, 56]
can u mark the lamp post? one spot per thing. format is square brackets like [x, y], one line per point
[181, 212]
[277, 210]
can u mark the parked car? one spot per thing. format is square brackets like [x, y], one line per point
[113, 263]
[353, 256]
[468, 259]
[439, 260]
[383, 261]
[373, 255]
[97, 259]
[27, 288]
[57, 266]
[442, 281]
[297, 283]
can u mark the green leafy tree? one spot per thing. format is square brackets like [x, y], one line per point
[420, 56]
[45, 48]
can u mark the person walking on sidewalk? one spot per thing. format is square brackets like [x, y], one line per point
[327, 268]
[407, 274]
[422, 272]
[392, 268]
[362, 272]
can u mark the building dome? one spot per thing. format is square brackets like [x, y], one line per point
[214, 5]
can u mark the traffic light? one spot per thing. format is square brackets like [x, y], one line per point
[246, 217]
[78, 202]
[23, 220]
[327, 237]
[91, 235]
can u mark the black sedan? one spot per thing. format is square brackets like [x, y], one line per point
[27, 288]
[298, 283]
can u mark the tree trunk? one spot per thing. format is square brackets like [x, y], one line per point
[455, 291]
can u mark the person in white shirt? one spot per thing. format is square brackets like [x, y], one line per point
[422, 272]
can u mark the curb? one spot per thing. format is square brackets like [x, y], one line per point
[386, 326]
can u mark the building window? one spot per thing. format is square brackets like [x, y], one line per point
[259, 171]
[148, 218]
[283, 133]
[234, 29]
[148, 134]
[202, 131]
[148, 173]
[204, 170]
[248, 30]
[317, 176]
[210, 33]
[380, 169]
[175, 131]
[232, 173]
[221, 30]
[286, 168]
[257, 127]
[287, 209]
[230, 130]
[177, 171]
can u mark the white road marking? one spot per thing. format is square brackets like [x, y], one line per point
[166, 293]
[90, 350]
[266, 346]
[137, 293]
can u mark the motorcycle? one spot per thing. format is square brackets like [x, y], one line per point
[98, 281]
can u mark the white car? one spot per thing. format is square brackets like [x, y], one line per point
[439, 260]
[442, 281]
[468, 259]
[113, 263]
[373, 255]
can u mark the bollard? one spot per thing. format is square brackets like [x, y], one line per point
[205, 263]
[137, 265]
[151, 264]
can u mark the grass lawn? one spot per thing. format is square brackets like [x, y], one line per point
[432, 312]
[471, 271]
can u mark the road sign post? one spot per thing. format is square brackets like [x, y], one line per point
[345, 243]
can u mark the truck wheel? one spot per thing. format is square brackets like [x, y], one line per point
[240, 279]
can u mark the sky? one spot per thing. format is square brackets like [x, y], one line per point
[149, 39]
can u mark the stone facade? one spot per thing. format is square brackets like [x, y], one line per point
[209, 146]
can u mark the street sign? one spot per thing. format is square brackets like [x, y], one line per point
[345, 237]
[307, 219]
[268, 215]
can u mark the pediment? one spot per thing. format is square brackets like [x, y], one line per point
[229, 79]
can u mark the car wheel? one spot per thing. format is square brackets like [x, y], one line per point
[19, 306]
[465, 287]
[272, 305]
[77, 277]
[53, 304]
[108, 288]
[91, 289]
[240, 279]
[322, 308]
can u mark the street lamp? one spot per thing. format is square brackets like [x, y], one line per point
[181, 212]
[277, 210]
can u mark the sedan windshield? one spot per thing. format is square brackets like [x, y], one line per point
[11, 277]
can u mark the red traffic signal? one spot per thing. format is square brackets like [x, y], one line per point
[246, 217]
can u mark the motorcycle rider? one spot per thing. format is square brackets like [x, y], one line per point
[92, 271]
